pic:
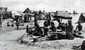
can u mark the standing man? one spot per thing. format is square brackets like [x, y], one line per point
[17, 24]
[69, 30]
[27, 29]
[17, 21]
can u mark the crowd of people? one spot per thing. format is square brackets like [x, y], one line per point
[51, 32]
[49, 26]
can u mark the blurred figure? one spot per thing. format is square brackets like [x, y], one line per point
[17, 24]
[53, 28]
[47, 23]
[77, 31]
[8, 24]
[61, 26]
[27, 29]
[46, 26]
[38, 31]
[83, 45]
[79, 28]
[69, 30]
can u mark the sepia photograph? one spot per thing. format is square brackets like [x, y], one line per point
[42, 24]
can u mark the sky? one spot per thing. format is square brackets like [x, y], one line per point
[48, 5]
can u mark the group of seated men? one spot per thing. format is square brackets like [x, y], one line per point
[50, 26]
[41, 31]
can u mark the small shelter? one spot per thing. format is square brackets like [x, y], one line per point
[60, 16]
[81, 19]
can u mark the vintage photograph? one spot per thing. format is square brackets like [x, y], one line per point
[42, 24]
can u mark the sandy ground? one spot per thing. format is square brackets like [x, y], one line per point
[8, 42]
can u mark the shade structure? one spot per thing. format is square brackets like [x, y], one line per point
[62, 17]
[81, 19]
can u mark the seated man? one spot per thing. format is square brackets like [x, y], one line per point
[80, 47]
[61, 27]
[53, 28]
[8, 24]
[83, 45]
[46, 26]
[79, 28]
[78, 31]
[29, 30]
[37, 31]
